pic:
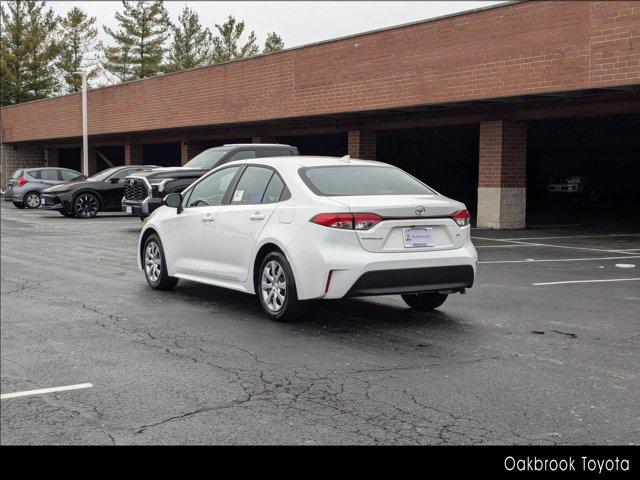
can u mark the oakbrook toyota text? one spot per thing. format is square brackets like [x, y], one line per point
[569, 464]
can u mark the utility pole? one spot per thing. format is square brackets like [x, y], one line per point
[85, 126]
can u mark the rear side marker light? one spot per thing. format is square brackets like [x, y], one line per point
[462, 217]
[347, 221]
[22, 181]
[326, 289]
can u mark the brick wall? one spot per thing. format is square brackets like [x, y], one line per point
[515, 49]
[19, 156]
[361, 145]
[133, 154]
[503, 152]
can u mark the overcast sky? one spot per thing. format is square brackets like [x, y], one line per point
[298, 22]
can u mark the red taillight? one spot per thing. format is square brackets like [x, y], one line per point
[462, 217]
[347, 221]
[22, 181]
[334, 220]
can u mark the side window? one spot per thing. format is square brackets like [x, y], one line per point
[275, 152]
[211, 190]
[49, 174]
[35, 174]
[251, 187]
[274, 190]
[242, 155]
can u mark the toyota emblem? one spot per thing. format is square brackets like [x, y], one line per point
[420, 211]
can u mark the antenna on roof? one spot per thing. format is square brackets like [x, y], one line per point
[345, 159]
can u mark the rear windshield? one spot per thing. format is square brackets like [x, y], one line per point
[351, 180]
[16, 174]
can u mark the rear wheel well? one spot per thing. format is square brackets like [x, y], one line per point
[265, 250]
[147, 233]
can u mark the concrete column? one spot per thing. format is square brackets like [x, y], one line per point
[51, 157]
[93, 160]
[133, 154]
[502, 181]
[188, 150]
[262, 139]
[362, 144]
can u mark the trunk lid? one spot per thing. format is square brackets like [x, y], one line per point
[403, 212]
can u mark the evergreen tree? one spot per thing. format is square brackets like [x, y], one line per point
[78, 48]
[225, 44]
[274, 43]
[28, 50]
[191, 45]
[140, 42]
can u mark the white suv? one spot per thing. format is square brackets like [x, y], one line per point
[311, 227]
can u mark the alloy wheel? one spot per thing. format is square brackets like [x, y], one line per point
[33, 200]
[87, 206]
[273, 286]
[153, 262]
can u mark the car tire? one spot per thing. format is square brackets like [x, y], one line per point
[18, 205]
[155, 266]
[86, 205]
[424, 301]
[276, 288]
[31, 200]
[67, 214]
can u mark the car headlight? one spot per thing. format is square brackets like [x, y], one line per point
[159, 186]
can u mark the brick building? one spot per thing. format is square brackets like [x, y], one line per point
[480, 104]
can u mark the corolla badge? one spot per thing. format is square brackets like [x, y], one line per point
[420, 211]
[132, 182]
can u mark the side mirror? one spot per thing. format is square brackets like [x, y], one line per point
[114, 180]
[173, 200]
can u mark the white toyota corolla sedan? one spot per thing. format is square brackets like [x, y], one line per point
[299, 228]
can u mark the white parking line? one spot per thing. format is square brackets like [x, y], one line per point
[589, 281]
[609, 235]
[41, 391]
[530, 244]
[532, 260]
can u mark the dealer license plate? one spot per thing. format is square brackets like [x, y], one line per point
[418, 237]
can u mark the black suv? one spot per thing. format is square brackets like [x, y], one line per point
[143, 192]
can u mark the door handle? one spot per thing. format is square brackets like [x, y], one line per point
[256, 216]
[208, 218]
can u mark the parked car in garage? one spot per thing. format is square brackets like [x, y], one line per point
[25, 185]
[570, 187]
[308, 228]
[99, 193]
[144, 191]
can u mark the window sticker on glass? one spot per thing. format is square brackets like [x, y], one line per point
[237, 196]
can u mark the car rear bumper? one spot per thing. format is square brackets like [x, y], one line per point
[412, 280]
[341, 268]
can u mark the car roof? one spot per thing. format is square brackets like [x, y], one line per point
[296, 162]
[280, 145]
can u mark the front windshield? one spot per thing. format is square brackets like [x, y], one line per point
[103, 175]
[207, 159]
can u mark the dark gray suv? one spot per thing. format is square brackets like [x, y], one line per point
[25, 185]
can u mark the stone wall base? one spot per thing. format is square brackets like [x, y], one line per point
[13, 157]
[503, 208]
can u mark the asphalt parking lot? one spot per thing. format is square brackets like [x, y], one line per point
[543, 350]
